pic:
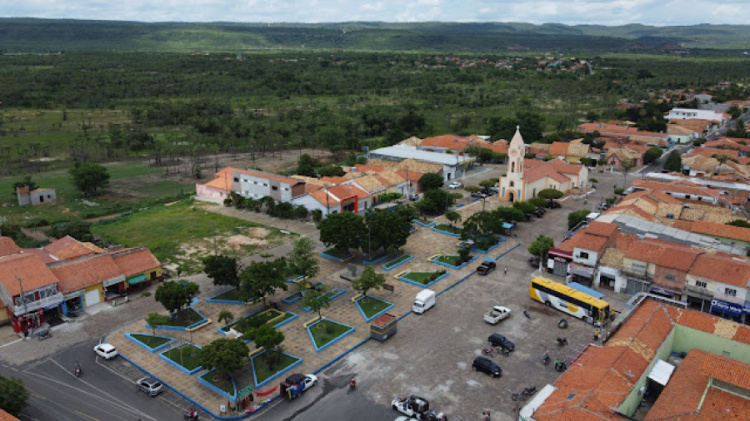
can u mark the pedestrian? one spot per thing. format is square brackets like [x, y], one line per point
[596, 335]
[505, 270]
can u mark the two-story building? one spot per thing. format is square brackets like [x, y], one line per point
[718, 284]
[658, 266]
[586, 248]
[251, 184]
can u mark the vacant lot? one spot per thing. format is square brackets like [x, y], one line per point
[181, 234]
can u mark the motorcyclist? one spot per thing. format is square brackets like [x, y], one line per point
[352, 384]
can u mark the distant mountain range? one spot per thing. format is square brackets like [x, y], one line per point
[24, 35]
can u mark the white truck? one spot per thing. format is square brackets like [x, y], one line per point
[496, 315]
[424, 301]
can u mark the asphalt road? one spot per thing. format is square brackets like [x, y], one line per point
[101, 393]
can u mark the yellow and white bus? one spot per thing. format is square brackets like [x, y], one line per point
[576, 303]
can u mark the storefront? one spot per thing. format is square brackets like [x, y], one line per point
[73, 302]
[114, 287]
[581, 274]
[727, 310]
[557, 264]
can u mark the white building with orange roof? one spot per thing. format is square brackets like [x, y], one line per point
[693, 114]
[525, 178]
[335, 199]
[251, 184]
[449, 142]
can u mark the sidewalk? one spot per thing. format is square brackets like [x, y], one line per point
[422, 244]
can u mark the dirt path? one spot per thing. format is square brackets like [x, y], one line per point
[306, 229]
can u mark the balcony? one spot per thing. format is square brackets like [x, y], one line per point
[55, 299]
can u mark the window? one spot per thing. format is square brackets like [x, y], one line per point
[274, 188]
[583, 255]
[236, 179]
[729, 292]
[635, 267]
[701, 284]
[512, 183]
[669, 276]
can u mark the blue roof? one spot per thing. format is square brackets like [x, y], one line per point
[587, 290]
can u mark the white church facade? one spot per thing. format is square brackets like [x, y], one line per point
[524, 178]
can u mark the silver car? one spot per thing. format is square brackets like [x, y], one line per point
[150, 386]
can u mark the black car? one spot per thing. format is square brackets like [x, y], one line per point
[486, 267]
[501, 341]
[539, 212]
[552, 204]
[488, 366]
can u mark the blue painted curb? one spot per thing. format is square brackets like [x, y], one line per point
[372, 262]
[204, 382]
[448, 265]
[177, 366]
[427, 225]
[334, 296]
[214, 300]
[220, 329]
[386, 268]
[336, 339]
[291, 281]
[445, 232]
[270, 379]
[181, 328]
[146, 347]
[338, 259]
[376, 315]
[423, 285]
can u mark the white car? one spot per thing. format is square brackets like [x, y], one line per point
[455, 185]
[310, 380]
[411, 406]
[496, 315]
[403, 418]
[106, 351]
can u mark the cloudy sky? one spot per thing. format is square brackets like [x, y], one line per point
[603, 12]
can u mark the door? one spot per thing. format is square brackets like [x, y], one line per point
[92, 297]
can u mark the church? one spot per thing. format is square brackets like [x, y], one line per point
[527, 177]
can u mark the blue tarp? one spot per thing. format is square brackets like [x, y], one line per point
[587, 290]
[507, 225]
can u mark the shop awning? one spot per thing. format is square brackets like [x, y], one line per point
[586, 290]
[137, 279]
[581, 270]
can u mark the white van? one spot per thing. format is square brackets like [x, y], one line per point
[424, 301]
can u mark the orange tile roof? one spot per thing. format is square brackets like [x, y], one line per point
[679, 187]
[728, 270]
[728, 142]
[663, 253]
[4, 416]
[619, 130]
[559, 148]
[714, 229]
[32, 271]
[710, 152]
[67, 248]
[46, 258]
[453, 142]
[691, 395]
[345, 191]
[135, 261]
[601, 228]
[537, 173]
[8, 246]
[84, 272]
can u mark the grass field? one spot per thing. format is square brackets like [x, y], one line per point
[372, 306]
[452, 260]
[185, 318]
[326, 331]
[397, 261]
[150, 341]
[422, 277]
[184, 355]
[264, 369]
[182, 234]
[448, 228]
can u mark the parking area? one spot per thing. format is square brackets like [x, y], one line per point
[431, 355]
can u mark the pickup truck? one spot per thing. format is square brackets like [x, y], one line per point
[486, 267]
[497, 314]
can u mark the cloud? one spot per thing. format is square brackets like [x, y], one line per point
[602, 12]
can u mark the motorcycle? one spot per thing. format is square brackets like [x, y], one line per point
[78, 370]
[526, 313]
[562, 341]
[352, 385]
[190, 415]
[546, 360]
[560, 366]
[529, 391]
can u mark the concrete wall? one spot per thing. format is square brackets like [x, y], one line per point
[633, 400]
[688, 338]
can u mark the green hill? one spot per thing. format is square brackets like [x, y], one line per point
[24, 35]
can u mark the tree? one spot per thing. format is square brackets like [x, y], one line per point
[652, 154]
[316, 299]
[344, 230]
[575, 218]
[156, 319]
[302, 261]
[435, 201]
[176, 295]
[550, 194]
[431, 181]
[387, 230]
[739, 223]
[224, 270]
[452, 216]
[225, 316]
[26, 182]
[368, 280]
[593, 182]
[734, 111]
[77, 228]
[88, 178]
[538, 202]
[224, 354]
[13, 395]
[673, 162]
[306, 165]
[626, 164]
[525, 207]
[540, 247]
[261, 279]
[267, 337]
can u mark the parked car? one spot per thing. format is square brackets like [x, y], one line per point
[539, 212]
[488, 366]
[486, 267]
[412, 406]
[488, 191]
[455, 185]
[501, 341]
[106, 351]
[479, 194]
[534, 261]
[603, 206]
[496, 315]
[150, 386]
[552, 204]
